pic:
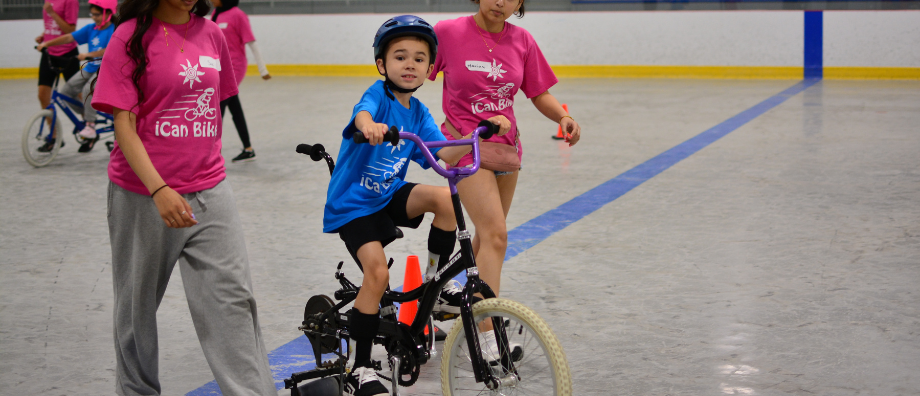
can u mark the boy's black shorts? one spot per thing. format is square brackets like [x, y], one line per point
[46, 72]
[380, 226]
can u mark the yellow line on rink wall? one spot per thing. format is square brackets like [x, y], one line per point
[713, 72]
[317, 70]
[19, 72]
[592, 71]
[872, 73]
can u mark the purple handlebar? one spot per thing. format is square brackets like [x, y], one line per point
[453, 174]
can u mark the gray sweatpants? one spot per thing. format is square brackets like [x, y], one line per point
[215, 272]
[81, 82]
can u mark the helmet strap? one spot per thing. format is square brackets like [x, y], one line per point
[391, 86]
[105, 19]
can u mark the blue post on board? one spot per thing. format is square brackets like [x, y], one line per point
[814, 44]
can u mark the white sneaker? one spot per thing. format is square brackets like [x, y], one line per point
[451, 298]
[490, 348]
[89, 132]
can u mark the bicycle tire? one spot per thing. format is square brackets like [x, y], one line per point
[540, 352]
[32, 139]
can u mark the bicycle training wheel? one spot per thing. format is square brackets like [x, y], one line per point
[36, 135]
[542, 368]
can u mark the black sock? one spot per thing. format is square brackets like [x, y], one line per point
[363, 329]
[440, 246]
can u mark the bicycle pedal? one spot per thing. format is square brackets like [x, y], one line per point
[444, 316]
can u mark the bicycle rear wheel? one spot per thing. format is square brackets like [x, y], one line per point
[36, 135]
[543, 368]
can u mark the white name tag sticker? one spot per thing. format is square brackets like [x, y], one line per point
[222, 25]
[478, 66]
[209, 62]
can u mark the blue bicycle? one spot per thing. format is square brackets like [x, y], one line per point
[42, 138]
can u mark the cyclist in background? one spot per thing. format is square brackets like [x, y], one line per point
[97, 37]
[60, 18]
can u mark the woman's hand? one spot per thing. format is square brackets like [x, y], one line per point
[39, 39]
[174, 210]
[48, 8]
[571, 130]
[41, 46]
[503, 124]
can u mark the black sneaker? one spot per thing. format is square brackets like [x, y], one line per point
[246, 155]
[88, 145]
[362, 381]
[451, 297]
[47, 147]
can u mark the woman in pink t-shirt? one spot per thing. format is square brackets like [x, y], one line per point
[234, 23]
[60, 18]
[164, 73]
[485, 61]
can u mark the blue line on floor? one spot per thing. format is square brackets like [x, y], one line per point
[527, 235]
[297, 355]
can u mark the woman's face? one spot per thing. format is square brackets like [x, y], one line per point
[184, 5]
[498, 10]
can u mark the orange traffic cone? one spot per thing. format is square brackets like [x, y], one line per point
[412, 280]
[560, 135]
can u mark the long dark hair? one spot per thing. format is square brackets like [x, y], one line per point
[224, 6]
[142, 10]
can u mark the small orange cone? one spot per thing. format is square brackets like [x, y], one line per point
[560, 135]
[412, 280]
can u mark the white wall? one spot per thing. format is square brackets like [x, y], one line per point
[683, 38]
[872, 38]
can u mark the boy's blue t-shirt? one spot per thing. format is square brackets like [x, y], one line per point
[95, 40]
[366, 177]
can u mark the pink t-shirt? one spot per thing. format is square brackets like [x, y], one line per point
[68, 10]
[479, 84]
[179, 121]
[235, 25]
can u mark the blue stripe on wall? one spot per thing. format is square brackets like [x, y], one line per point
[297, 355]
[814, 44]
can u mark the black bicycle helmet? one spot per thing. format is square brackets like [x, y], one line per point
[405, 25]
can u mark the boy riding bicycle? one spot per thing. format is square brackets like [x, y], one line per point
[97, 37]
[368, 197]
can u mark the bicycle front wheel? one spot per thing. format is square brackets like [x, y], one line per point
[539, 360]
[40, 142]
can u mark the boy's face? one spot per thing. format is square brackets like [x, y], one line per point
[96, 14]
[407, 62]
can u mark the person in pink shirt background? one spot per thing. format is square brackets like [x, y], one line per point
[60, 18]
[234, 23]
[485, 61]
[163, 74]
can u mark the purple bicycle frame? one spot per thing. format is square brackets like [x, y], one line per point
[453, 175]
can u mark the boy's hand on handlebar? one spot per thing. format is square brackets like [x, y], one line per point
[81, 57]
[503, 124]
[374, 132]
[571, 130]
